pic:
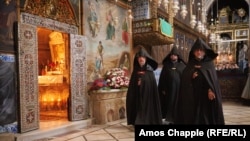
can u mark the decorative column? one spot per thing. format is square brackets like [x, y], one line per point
[153, 8]
[130, 35]
[170, 13]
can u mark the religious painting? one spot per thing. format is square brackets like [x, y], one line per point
[241, 34]
[75, 5]
[125, 62]
[224, 46]
[8, 16]
[106, 29]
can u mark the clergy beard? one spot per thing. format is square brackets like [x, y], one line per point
[174, 61]
[141, 64]
[199, 58]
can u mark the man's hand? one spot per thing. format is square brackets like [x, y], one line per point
[211, 95]
[195, 74]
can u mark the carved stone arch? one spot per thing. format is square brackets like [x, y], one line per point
[122, 113]
[110, 115]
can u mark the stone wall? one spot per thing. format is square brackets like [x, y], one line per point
[108, 105]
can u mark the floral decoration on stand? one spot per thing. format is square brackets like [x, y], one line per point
[52, 66]
[98, 84]
[116, 78]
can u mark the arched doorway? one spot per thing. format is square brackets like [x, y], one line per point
[53, 78]
[27, 56]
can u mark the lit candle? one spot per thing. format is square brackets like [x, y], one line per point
[230, 57]
[59, 103]
[44, 101]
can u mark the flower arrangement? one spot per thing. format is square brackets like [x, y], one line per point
[53, 66]
[98, 84]
[116, 78]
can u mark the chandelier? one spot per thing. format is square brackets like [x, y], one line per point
[175, 5]
[182, 8]
[183, 11]
[197, 17]
[199, 24]
[193, 21]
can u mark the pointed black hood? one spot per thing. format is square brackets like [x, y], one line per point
[175, 51]
[150, 61]
[201, 44]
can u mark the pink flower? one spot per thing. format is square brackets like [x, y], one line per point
[117, 78]
[98, 84]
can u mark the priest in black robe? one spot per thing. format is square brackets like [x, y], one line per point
[169, 82]
[142, 101]
[199, 101]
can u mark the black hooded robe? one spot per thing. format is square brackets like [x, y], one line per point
[142, 102]
[169, 82]
[193, 105]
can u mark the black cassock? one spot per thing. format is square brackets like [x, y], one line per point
[193, 105]
[169, 82]
[142, 101]
[168, 86]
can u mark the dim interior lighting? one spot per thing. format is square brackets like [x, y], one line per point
[7, 2]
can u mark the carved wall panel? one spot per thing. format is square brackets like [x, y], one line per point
[60, 10]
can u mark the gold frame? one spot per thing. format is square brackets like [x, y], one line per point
[230, 33]
[241, 33]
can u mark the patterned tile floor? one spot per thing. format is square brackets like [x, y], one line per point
[235, 114]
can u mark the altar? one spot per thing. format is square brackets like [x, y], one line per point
[53, 96]
[50, 79]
